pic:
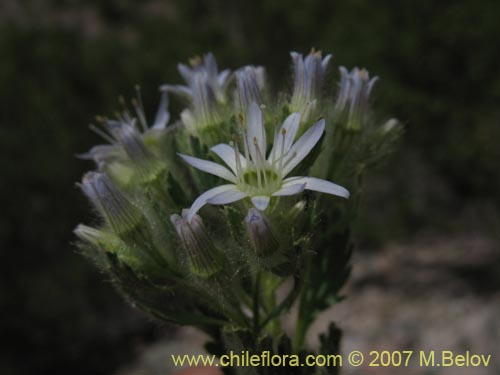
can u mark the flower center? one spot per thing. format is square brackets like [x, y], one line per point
[260, 181]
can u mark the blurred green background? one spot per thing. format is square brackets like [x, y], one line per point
[64, 61]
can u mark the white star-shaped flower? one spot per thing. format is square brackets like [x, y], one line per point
[257, 177]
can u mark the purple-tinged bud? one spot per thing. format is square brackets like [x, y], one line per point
[129, 137]
[206, 66]
[309, 76]
[203, 257]
[250, 82]
[133, 225]
[353, 98]
[118, 211]
[127, 140]
[260, 233]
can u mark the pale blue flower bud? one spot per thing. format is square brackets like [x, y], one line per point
[250, 82]
[118, 211]
[202, 255]
[207, 67]
[309, 75]
[260, 233]
[203, 110]
[205, 92]
[353, 97]
[125, 138]
[128, 136]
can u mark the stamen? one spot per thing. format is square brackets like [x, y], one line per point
[125, 115]
[245, 146]
[262, 162]
[102, 134]
[139, 108]
[282, 156]
[273, 156]
[257, 163]
[239, 169]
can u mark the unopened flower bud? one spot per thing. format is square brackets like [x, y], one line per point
[308, 80]
[207, 65]
[106, 242]
[121, 214]
[127, 134]
[129, 137]
[353, 99]
[205, 91]
[94, 236]
[203, 256]
[250, 82]
[262, 237]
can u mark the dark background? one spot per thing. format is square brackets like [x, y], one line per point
[62, 62]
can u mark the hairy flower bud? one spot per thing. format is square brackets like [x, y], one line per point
[250, 82]
[94, 236]
[107, 242]
[132, 152]
[205, 91]
[262, 237]
[203, 256]
[126, 220]
[353, 98]
[308, 79]
[208, 67]
[121, 214]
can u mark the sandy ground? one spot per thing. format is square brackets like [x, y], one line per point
[435, 294]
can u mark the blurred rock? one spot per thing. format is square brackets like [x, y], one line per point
[433, 294]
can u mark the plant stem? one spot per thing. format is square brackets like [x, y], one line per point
[256, 306]
[302, 319]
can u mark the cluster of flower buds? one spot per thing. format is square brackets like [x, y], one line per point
[271, 177]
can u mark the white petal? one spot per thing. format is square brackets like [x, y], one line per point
[209, 167]
[183, 91]
[202, 199]
[162, 116]
[303, 146]
[326, 60]
[318, 184]
[186, 72]
[261, 202]
[225, 197]
[222, 77]
[260, 74]
[210, 64]
[256, 131]
[290, 126]
[227, 153]
[290, 189]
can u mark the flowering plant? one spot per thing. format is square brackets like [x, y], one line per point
[201, 224]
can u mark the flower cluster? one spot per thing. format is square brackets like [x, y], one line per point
[203, 219]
